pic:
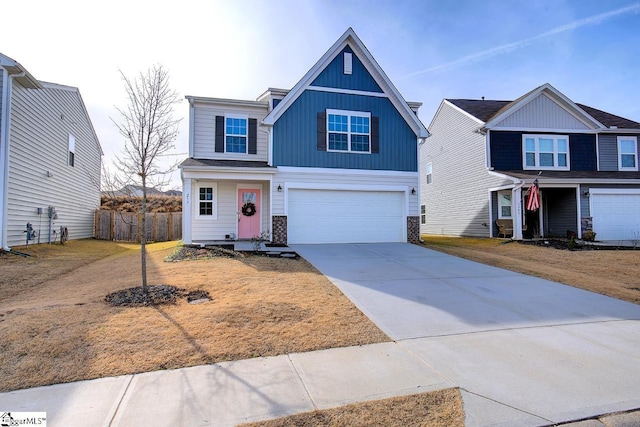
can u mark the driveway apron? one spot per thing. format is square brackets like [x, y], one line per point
[524, 351]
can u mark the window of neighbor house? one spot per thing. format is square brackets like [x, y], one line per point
[545, 152]
[429, 172]
[627, 153]
[235, 135]
[205, 198]
[504, 204]
[348, 131]
[72, 151]
[423, 214]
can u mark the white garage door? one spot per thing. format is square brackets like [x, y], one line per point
[337, 216]
[616, 213]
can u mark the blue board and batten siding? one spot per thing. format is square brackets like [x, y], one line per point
[506, 151]
[295, 134]
[333, 75]
[1, 95]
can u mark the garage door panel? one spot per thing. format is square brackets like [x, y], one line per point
[615, 216]
[336, 216]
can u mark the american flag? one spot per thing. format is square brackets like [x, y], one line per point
[533, 203]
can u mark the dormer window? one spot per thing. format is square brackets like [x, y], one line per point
[545, 152]
[627, 153]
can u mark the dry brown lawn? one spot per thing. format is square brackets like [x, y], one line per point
[609, 272]
[442, 408]
[56, 326]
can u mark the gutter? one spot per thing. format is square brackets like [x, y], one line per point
[4, 138]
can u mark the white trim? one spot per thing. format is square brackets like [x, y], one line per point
[597, 151]
[237, 175]
[349, 38]
[500, 205]
[487, 149]
[635, 145]
[505, 176]
[228, 102]
[344, 187]
[614, 191]
[547, 130]
[337, 171]
[577, 112]
[501, 188]
[490, 219]
[214, 200]
[578, 213]
[240, 186]
[556, 152]
[192, 126]
[349, 132]
[246, 135]
[186, 208]
[348, 91]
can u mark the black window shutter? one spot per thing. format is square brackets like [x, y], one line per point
[253, 136]
[219, 134]
[375, 131]
[322, 131]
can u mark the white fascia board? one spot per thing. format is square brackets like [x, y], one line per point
[570, 107]
[226, 175]
[348, 91]
[227, 102]
[350, 38]
[546, 130]
[504, 176]
[614, 190]
[620, 130]
[460, 110]
[336, 171]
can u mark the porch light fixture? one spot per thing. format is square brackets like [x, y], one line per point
[413, 190]
[586, 193]
[279, 188]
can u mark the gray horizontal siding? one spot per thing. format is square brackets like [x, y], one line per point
[542, 113]
[457, 200]
[608, 152]
[39, 174]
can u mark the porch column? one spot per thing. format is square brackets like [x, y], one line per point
[516, 207]
[186, 210]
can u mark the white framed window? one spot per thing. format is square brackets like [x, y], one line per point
[429, 172]
[207, 198]
[627, 153]
[545, 152]
[349, 131]
[504, 205]
[72, 151]
[235, 134]
[423, 214]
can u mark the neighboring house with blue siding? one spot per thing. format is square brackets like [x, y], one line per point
[333, 160]
[483, 156]
[50, 159]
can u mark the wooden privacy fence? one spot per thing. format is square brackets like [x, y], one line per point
[124, 226]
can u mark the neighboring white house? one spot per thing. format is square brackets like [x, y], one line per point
[50, 159]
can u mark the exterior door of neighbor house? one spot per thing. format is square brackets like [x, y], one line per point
[249, 213]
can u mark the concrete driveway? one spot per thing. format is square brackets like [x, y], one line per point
[524, 351]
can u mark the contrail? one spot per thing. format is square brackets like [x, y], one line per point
[522, 43]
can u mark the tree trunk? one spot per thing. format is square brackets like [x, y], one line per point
[143, 237]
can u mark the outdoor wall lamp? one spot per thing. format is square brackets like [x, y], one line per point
[413, 190]
[586, 193]
[279, 188]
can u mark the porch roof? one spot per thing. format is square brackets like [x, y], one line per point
[591, 176]
[199, 163]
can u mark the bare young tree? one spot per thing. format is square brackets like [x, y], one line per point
[148, 125]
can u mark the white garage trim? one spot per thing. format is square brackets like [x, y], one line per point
[615, 213]
[345, 187]
[345, 215]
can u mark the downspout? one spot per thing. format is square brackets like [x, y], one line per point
[4, 142]
[516, 195]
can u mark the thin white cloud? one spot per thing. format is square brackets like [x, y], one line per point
[525, 42]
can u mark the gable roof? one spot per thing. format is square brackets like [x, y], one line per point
[23, 76]
[349, 38]
[489, 111]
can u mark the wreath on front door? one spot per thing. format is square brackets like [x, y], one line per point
[248, 209]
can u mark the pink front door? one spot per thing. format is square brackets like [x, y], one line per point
[249, 213]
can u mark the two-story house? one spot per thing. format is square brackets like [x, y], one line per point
[50, 159]
[483, 157]
[333, 160]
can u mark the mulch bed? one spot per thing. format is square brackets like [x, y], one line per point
[155, 295]
[577, 245]
[187, 253]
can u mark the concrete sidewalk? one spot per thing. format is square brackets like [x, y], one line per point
[229, 393]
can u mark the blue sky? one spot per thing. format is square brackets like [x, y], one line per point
[589, 50]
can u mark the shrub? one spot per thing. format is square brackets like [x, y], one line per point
[589, 236]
